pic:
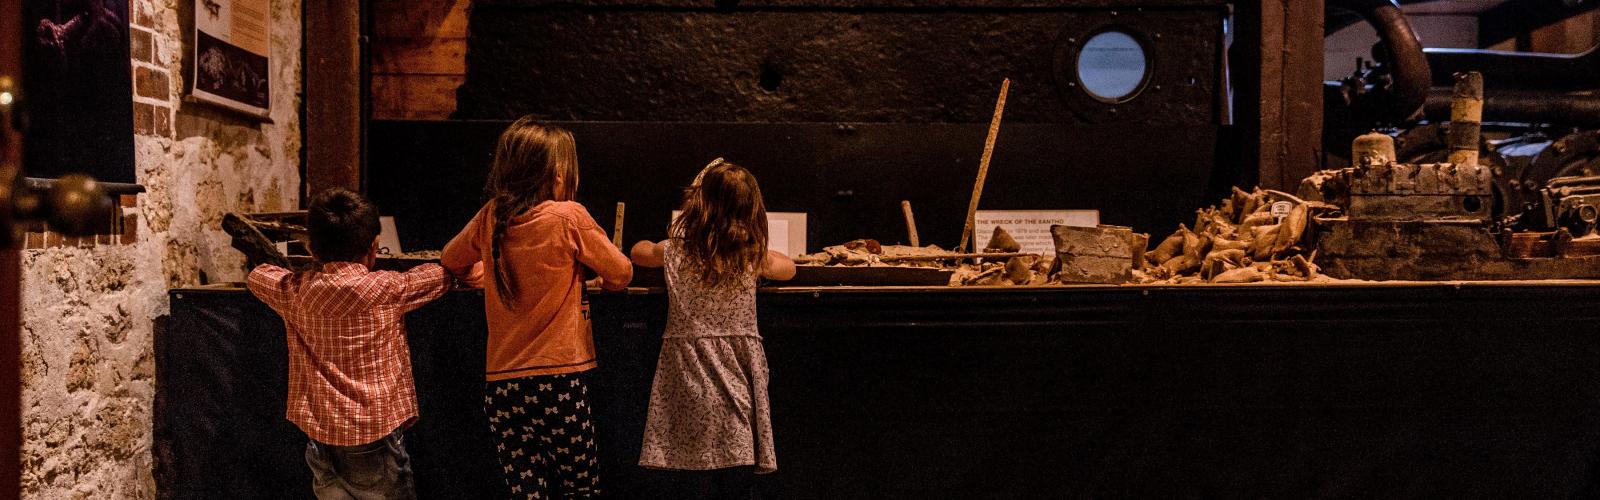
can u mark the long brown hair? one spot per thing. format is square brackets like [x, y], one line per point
[528, 161]
[723, 228]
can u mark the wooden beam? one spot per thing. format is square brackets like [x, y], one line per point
[10, 268]
[1277, 67]
[10, 373]
[332, 79]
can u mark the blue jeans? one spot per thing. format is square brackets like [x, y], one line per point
[373, 471]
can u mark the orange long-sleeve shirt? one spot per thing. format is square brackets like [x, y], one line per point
[546, 331]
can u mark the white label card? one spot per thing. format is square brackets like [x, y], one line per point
[1031, 228]
[388, 237]
[1281, 209]
[786, 231]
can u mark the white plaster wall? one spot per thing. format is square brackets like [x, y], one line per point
[88, 313]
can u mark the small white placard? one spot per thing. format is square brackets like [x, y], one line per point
[786, 231]
[778, 234]
[1031, 228]
[388, 238]
[1281, 209]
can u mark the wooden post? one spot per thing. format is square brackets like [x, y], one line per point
[11, 38]
[983, 164]
[911, 223]
[332, 79]
[10, 373]
[1278, 72]
[616, 234]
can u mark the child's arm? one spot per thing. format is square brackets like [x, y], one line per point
[648, 253]
[778, 267]
[462, 252]
[270, 284]
[596, 252]
[421, 285]
[473, 278]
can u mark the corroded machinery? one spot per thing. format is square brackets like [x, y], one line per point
[1436, 221]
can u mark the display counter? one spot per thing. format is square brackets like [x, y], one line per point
[1344, 390]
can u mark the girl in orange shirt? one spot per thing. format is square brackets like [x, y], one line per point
[708, 405]
[534, 243]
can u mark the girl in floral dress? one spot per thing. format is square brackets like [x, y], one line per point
[708, 405]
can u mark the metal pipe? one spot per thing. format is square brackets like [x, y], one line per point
[1567, 181]
[1408, 64]
[1466, 118]
[110, 188]
[1581, 110]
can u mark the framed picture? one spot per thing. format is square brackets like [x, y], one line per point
[232, 54]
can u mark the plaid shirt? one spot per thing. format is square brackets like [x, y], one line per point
[349, 362]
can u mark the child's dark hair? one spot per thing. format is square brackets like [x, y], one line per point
[533, 163]
[723, 228]
[342, 226]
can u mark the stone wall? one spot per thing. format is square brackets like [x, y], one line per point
[90, 305]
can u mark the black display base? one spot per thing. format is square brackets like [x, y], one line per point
[1412, 390]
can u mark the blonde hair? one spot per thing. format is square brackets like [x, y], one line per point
[533, 163]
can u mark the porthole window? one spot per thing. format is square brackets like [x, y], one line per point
[1112, 67]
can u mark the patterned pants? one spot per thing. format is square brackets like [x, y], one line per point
[544, 435]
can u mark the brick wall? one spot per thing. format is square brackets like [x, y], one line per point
[152, 116]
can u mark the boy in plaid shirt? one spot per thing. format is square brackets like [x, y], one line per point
[350, 385]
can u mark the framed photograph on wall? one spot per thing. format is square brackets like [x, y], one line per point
[79, 89]
[232, 54]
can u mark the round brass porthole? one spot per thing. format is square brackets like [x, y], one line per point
[1102, 69]
[1111, 66]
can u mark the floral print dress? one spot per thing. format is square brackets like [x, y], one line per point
[708, 405]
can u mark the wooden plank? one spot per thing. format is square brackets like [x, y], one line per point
[420, 18]
[413, 97]
[419, 56]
